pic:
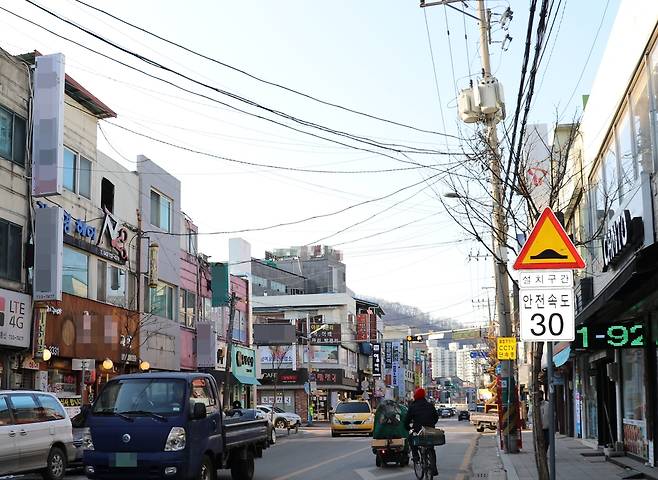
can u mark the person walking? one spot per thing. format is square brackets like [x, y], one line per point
[421, 414]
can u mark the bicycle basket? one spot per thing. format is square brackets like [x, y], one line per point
[428, 437]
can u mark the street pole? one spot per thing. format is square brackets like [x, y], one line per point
[499, 242]
[551, 411]
[229, 352]
[309, 417]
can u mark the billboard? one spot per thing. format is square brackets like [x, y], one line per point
[273, 356]
[48, 126]
[274, 334]
[322, 354]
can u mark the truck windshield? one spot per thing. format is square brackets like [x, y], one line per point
[142, 396]
[353, 407]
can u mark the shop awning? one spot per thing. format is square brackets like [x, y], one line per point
[561, 357]
[246, 379]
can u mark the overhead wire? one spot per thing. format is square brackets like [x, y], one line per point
[231, 95]
[255, 77]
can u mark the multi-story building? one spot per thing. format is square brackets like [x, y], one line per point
[15, 217]
[333, 356]
[444, 361]
[320, 265]
[609, 391]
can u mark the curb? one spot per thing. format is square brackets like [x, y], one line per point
[507, 464]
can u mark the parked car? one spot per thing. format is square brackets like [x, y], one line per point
[463, 415]
[247, 414]
[35, 422]
[281, 418]
[80, 429]
[352, 416]
[168, 425]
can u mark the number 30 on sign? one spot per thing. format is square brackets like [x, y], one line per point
[547, 315]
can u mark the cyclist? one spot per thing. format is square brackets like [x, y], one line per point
[422, 414]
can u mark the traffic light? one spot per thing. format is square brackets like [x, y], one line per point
[414, 338]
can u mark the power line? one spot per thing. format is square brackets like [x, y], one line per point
[201, 95]
[231, 95]
[255, 164]
[296, 222]
[254, 77]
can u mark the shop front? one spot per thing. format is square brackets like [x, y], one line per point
[15, 329]
[284, 388]
[82, 343]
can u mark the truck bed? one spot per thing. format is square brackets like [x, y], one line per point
[245, 432]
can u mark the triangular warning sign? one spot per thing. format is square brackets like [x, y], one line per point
[548, 247]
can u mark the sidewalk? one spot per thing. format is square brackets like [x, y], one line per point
[574, 461]
[486, 461]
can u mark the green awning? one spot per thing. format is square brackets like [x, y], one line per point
[246, 379]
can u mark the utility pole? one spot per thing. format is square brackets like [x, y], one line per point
[229, 349]
[499, 233]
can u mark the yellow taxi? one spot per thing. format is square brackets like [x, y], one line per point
[352, 416]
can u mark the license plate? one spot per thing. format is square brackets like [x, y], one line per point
[125, 459]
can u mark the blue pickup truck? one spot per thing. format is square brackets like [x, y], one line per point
[167, 426]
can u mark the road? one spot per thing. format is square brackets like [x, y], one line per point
[313, 454]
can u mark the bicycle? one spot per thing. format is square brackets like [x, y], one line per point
[424, 441]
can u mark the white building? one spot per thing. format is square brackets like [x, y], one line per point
[444, 362]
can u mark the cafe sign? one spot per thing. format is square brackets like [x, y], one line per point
[244, 361]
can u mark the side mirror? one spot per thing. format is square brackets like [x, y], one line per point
[198, 411]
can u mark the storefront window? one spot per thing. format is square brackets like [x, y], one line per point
[591, 411]
[187, 308]
[111, 284]
[75, 272]
[634, 402]
[641, 122]
[161, 301]
[628, 170]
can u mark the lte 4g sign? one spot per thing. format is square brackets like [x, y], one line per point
[546, 282]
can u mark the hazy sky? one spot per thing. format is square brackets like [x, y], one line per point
[371, 56]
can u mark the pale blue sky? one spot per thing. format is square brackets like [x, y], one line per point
[367, 55]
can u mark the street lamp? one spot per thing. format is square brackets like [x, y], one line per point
[46, 354]
[144, 366]
[108, 364]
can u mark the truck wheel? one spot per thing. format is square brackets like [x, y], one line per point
[56, 466]
[208, 471]
[243, 469]
[378, 460]
[480, 428]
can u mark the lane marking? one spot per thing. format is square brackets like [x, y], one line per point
[468, 456]
[313, 467]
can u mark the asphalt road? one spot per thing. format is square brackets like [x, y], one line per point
[313, 454]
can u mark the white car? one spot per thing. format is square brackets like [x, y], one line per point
[36, 425]
[281, 418]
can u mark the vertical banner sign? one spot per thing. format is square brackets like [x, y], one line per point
[376, 360]
[396, 352]
[405, 352]
[388, 354]
[48, 126]
[48, 253]
[362, 326]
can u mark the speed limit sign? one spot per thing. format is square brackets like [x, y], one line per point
[547, 314]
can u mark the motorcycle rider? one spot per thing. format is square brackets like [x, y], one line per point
[422, 414]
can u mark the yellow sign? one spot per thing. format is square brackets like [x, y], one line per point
[548, 247]
[506, 348]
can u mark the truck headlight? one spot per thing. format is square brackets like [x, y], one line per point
[176, 440]
[87, 443]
